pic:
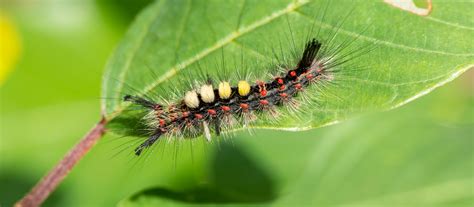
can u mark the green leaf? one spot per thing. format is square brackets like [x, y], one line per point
[414, 54]
[420, 155]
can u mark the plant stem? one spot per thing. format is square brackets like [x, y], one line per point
[48, 183]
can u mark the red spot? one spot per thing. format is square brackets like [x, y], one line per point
[283, 95]
[185, 114]
[211, 112]
[162, 122]
[292, 73]
[225, 108]
[264, 102]
[244, 106]
[282, 87]
[280, 81]
[263, 93]
[198, 116]
[298, 86]
[309, 76]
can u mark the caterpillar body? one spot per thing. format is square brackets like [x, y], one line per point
[217, 107]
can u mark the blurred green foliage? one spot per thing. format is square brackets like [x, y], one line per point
[417, 155]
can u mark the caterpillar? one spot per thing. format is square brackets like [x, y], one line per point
[286, 90]
[214, 107]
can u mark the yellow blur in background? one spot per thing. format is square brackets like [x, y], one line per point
[9, 46]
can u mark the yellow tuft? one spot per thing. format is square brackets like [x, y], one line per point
[244, 88]
[224, 90]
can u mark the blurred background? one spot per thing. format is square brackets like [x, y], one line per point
[52, 56]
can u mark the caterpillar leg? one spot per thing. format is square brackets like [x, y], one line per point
[147, 143]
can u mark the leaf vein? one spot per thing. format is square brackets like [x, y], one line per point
[449, 23]
[387, 43]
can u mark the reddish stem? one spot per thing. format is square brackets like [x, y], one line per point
[48, 183]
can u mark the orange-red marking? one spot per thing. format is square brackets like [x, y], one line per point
[292, 73]
[244, 106]
[185, 114]
[162, 122]
[225, 108]
[298, 86]
[280, 81]
[211, 112]
[198, 116]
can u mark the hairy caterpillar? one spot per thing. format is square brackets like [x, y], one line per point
[216, 106]
[219, 103]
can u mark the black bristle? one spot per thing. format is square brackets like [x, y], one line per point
[309, 54]
[150, 141]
